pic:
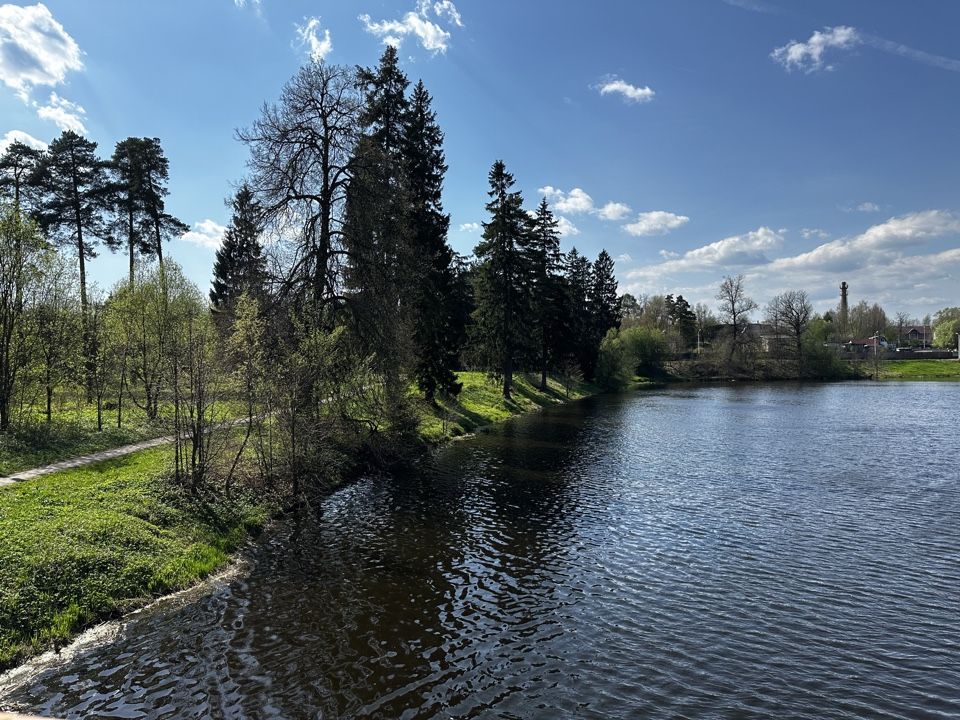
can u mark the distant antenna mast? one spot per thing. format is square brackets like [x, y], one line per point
[843, 308]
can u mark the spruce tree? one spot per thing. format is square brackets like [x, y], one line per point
[239, 265]
[546, 289]
[579, 325]
[382, 273]
[76, 198]
[604, 301]
[436, 335]
[502, 275]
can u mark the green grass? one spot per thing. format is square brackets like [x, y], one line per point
[481, 402]
[32, 442]
[84, 545]
[920, 369]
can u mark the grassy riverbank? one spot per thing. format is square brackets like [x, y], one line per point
[81, 546]
[919, 370]
[481, 402]
[84, 545]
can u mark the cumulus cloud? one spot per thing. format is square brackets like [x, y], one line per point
[736, 251]
[623, 257]
[205, 233]
[808, 233]
[575, 202]
[655, 222]
[34, 49]
[614, 211]
[310, 36]
[882, 242]
[808, 56]
[421, 23]
[629, 93]
[63, 113]
[471, 227]
[566, 228]
[910, 263]
[13, 136]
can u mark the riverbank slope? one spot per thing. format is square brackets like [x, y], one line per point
[85, 545]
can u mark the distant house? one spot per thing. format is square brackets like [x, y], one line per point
[916, 334]
[870, 343]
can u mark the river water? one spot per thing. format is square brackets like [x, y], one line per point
[731, 552]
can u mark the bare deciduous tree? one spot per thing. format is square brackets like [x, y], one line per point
[300, 151]
[735, 308]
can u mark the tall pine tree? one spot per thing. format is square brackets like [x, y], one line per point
[239, 265]
[75, 200]
[502, 276]
[128, 197]
[155, 171]
[437, 337]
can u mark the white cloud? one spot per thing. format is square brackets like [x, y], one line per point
[895, 48]
[471, 227]
[737, 251]
[624, 258]
[566, 228]
[909, 263]
[879, 243]
[630, 93]
[417, 23]
[445, 8]
[63, 113]
[243, 3]
[205, 233]
[574, 202]
[808, 233]
[656, 222]
[752, 5]
[614, 211]
[867, 207]
[34, 49]
[808, 56]
[310, 37]
[13, 136]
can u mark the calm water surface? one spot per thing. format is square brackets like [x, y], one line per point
[735, 552]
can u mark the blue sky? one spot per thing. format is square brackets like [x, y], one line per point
[798, 143]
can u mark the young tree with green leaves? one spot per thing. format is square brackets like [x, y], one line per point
[23, 255]
[503, 271]
[55, 325]
[18, 175]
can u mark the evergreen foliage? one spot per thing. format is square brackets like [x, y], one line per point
[239, 266]
[503, 276]
[437, 327]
